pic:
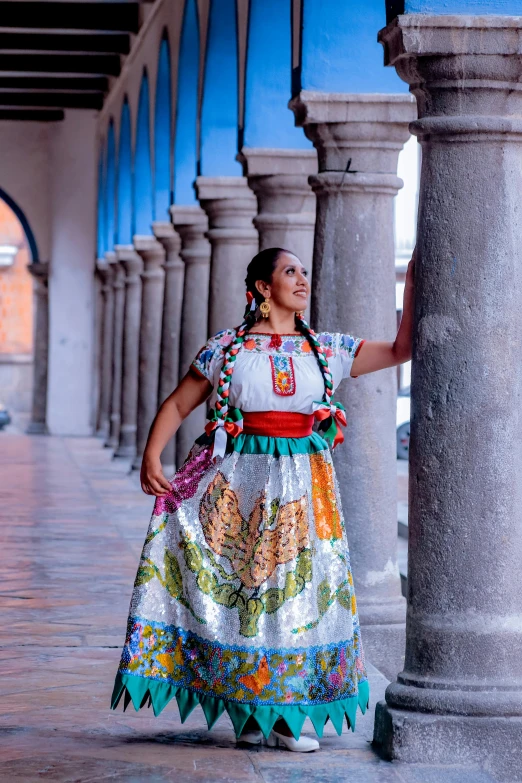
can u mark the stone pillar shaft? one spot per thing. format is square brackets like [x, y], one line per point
[191, 224]
[461, 687]
[354, 292]
[38, 423]
[231, 207]
[107, 341]
[153, 277]
[118, 287]
[133, 266]
[171, 327]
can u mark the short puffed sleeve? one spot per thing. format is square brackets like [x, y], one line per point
[349, 347]
[210, 357]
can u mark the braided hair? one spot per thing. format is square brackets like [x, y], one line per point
[262, 267]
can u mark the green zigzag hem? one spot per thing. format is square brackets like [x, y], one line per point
[140, 691]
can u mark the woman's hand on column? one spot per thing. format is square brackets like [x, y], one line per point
[375, 355]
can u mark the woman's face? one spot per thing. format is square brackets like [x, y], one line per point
[289, 288]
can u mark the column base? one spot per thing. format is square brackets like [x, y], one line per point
[136, 462]
[417, 737]
[124, 452]
[37, 428]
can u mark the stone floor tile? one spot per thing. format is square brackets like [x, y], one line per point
[77, 521]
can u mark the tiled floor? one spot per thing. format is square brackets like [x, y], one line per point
[72, 526]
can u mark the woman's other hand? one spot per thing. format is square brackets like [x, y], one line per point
[153, 482]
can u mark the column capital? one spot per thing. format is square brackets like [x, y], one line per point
[264, 162]
[183, 216]
[367, 129]
[230, 206]
[191, 223]
[39, 270]
[130, 260]
[460, 70]
[168, 237]
[152, 253]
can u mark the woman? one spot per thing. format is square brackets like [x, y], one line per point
[244, 598]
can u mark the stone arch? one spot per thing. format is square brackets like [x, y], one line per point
[125, 216]
[110, 189]
[162, 133]
[219, 113]
[268, 122]
[185, 143]
[20, 214]
[142, 190]
[100, 242]
[341, 30]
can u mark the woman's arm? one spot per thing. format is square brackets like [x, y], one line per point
[191, 392]
[375, 355]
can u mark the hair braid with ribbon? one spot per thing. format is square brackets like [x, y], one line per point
[330, 414]
[224, 420]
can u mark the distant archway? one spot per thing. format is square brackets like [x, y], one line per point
[31, 241]
[142, 194]
[162, 134]
[17, 251]
[125, 218]
[185, 144]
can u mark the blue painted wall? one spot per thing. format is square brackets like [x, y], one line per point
[100, 242]
[219, 114]
[162, 131]
[110, 190]
[268, 121]
[340, 52]
[185, 140]
[125, 218]
[513, 7]
[143, 196]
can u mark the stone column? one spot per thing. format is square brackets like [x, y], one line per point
[191, 224]
[102, 413]
[231, 207]
[38, 423]
[133, 266]
[354, 292]
[118, 287]
[152, 277]
[170, 337]
[460, 693]
[286, 202]
[104, 267]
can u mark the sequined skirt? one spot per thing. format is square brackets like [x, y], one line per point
[244, 598]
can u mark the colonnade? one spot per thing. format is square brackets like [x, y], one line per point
[458, 690]
[185, 281]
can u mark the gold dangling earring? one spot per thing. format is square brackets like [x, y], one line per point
[265, 308]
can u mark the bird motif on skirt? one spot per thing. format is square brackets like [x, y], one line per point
[257, 545]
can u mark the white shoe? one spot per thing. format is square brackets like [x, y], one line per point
[251, 737]
[302, 745]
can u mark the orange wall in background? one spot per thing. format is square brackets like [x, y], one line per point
[16, 289]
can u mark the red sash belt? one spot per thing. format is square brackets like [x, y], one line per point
[278, 424]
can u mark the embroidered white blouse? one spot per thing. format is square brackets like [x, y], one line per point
[276, 372]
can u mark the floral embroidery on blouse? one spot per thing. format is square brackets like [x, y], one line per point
[283, 377]
[213, 347]
[289, 344]
[274, 345]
